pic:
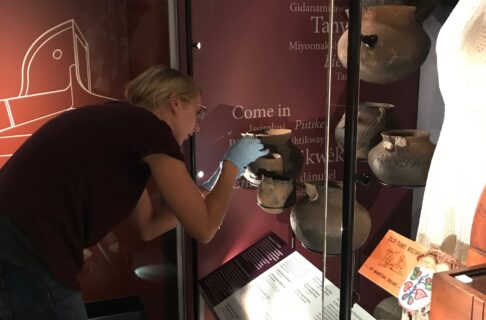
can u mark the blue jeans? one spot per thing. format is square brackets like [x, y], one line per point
[26, 296]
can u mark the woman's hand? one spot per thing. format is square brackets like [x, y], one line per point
[245, 151]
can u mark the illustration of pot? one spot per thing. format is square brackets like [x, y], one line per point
[371, 122]
[279, 141]
[393, 44]
[307, 220]
[55, 77]
[402, 158]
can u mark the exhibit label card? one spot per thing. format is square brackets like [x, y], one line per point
[289, 287]
[392, 261]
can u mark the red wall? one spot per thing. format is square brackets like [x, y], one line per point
[55, 56]
[83, 52]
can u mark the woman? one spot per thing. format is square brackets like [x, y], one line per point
[85, 171]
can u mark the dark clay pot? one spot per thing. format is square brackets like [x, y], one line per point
[374, 3]
[393, 44]
[275, 192]
[279, 141]
[371, 122]
[307, 220]
[272, 162]
[402, 158]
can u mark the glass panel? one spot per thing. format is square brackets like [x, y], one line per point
[387, 101]
[291, 77]
[393, 156]
[263, 69]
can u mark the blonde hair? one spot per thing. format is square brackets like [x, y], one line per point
[153, 87]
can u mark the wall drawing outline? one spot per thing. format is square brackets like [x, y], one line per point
[36, 103]
[38, 43]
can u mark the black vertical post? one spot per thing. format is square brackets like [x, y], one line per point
[189, 43]
[192, 155]
[352, 102]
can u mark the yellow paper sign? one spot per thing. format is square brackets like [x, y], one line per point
[392, 261]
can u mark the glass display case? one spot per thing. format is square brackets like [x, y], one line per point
[361, 119]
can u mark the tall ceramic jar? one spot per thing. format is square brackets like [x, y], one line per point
[371, 121]
[402, 158]
[279, 141]
[307, 220]
[393, 44]
[373, 3]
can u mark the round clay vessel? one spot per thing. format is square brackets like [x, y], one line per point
[393, 44]
[275, 193]
[402, 158]
[373, 3]
[272, 162]
[307, 220]
[371, 122]
[279, 141]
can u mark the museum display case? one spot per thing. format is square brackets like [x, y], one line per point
[294, 70]
[291, 78]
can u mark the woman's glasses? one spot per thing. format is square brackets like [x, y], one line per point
[201, 113]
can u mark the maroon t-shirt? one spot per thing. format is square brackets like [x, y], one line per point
[78, 176]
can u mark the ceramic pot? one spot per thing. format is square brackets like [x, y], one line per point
[275, 193]
[272, 162]
[393, 44]
[279, 141]
[371, 122]
[307, 220]
[373, 3]
[402, 158]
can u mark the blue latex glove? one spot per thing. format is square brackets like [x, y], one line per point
[209, 184]
[245, 151]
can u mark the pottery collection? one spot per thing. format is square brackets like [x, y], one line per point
[393, 44]
[402, 158]
[371, 122]
[393, 47]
